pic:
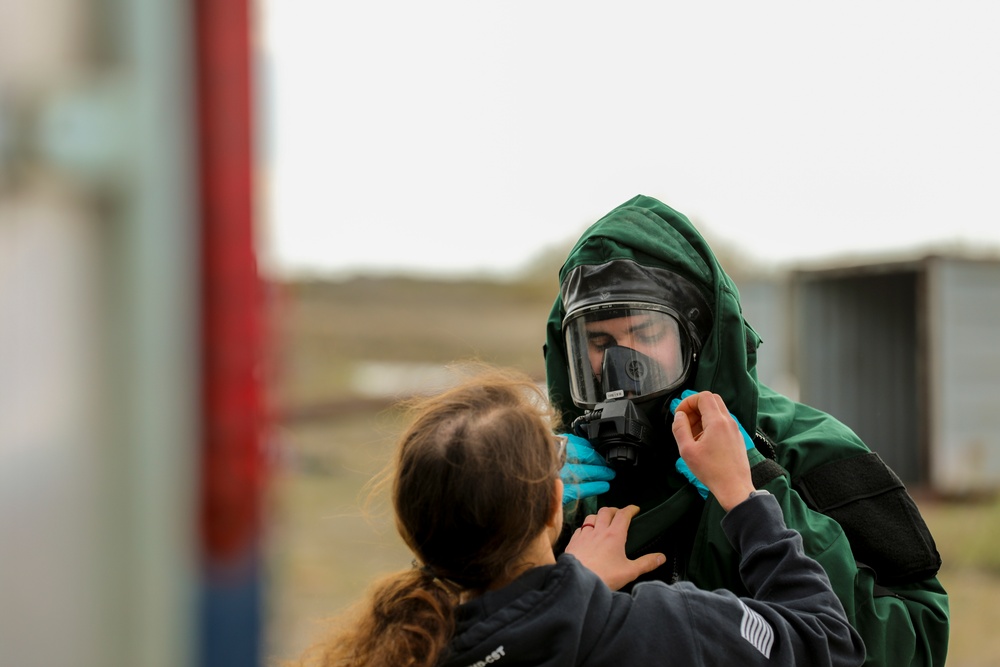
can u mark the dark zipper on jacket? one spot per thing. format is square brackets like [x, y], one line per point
[764, 445]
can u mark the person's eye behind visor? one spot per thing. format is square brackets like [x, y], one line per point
[636, 351]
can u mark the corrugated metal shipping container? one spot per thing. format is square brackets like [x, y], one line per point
[963, 307]
[901, 352]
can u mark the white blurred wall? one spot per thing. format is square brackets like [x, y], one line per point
[98, 391]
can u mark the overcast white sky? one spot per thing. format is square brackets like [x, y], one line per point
[463, 135]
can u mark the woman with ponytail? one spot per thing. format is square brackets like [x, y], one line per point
[478, 499]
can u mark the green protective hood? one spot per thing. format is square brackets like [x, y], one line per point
[652, 234]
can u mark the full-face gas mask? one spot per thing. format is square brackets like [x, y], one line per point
[632, 337]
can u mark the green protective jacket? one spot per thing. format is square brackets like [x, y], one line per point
[855, 516]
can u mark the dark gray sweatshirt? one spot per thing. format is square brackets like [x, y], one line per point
[563, 614]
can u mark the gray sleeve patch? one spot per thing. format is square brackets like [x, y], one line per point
[756, 630]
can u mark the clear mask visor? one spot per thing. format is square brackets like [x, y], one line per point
[628, 350]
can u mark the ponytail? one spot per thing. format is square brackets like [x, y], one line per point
[406, 621]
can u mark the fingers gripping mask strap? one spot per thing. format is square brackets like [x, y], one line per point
[879, 517]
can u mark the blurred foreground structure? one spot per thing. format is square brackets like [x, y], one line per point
[903, 351]
[131, 465]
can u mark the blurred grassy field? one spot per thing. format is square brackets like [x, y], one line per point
[325, 544]
[327, 329]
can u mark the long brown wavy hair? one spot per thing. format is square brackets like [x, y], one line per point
[472, 485]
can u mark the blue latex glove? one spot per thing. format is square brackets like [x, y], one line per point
[585, 473]
[681, 464]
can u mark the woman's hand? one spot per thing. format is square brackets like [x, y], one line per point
[711, 442]
[600, 545]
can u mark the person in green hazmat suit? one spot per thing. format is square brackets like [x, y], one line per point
[645, 315]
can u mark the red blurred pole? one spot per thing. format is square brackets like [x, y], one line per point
[232, 338]
[232, 295]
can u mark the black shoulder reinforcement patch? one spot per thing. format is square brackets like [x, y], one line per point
[877, 514]
[764, 472]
